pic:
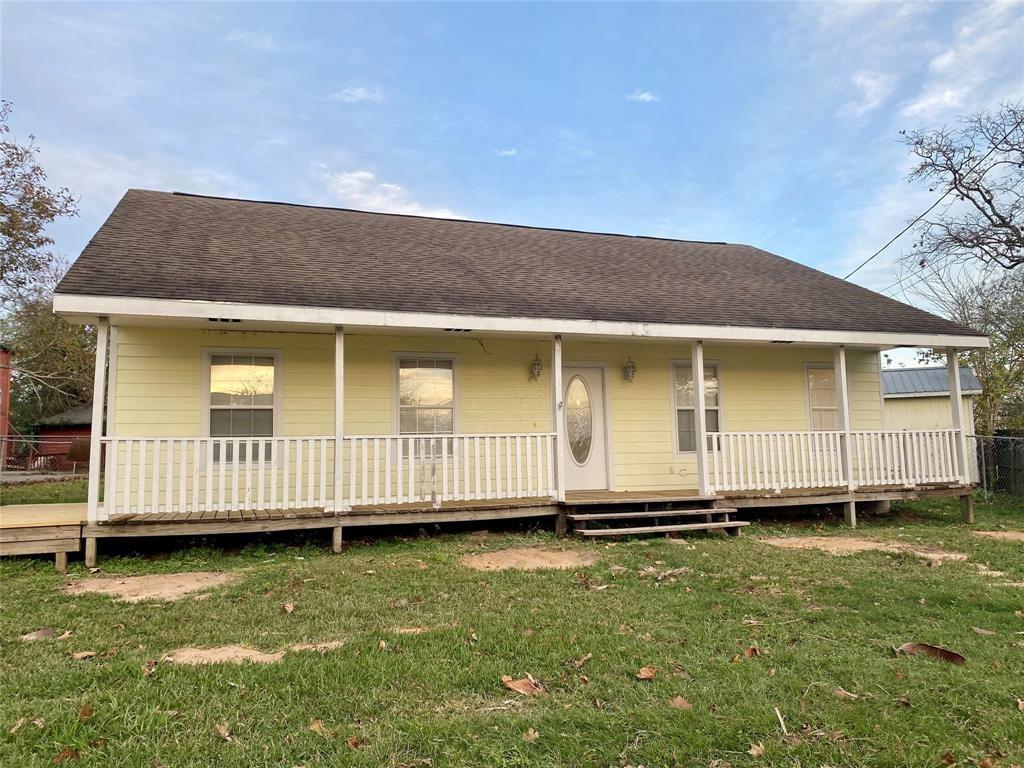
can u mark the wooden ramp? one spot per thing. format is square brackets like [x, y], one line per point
[36, 529]
[630, 513]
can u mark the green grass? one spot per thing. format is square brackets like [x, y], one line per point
[821, 622]
[44, 492]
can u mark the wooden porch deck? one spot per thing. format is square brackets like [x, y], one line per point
[59, 528]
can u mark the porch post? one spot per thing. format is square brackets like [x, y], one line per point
[700, 419]
[556, 417]
[846, 440]
[956, 400]
[99, 396]
[339, 418]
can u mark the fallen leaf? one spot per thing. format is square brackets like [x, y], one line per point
[842, 693]
[904, 700]
[40, 634]
[646, 673]
[980, 631]
[582, 660]
[934, 651]
[531, 735]
[85, 712]
[288, 607]
[149, 667]
[756, 750]
[80, 655]
[224, 731]
[354, 742]
[317, 726]
[17, 724]
[1019, 614]
[752, 652]
[65, 755]
[39, 722]
[947, 758]
[1020, 705]
[525, 685]
[680, 703]
[65, 634]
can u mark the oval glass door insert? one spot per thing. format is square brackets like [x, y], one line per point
[579, 420]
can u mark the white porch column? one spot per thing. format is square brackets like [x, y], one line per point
[844, 426]
[700, 419]
[99, 396]
[557, 417]
[956, 400]
[339, 418]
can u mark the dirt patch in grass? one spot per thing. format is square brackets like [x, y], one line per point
[164, 586]
[238, 654]
[1004, 535]
[836, 545]
[528, 559]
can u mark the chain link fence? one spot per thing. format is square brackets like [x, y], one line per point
[45, 454]
[998, 462]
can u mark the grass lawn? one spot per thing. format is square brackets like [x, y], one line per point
[45, 492]
[818, 623]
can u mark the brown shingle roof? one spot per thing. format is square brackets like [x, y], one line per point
[174, 246]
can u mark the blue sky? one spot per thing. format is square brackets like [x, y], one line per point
[773, 124]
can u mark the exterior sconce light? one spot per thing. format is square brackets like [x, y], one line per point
[535, 368]
[629, 370]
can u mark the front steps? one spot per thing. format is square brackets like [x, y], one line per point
[662, 516]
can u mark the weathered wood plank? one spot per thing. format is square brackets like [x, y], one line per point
[40, 547]
[10, 535]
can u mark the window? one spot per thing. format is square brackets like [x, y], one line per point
[684, 397]
[821, 396]
[426, 396]
[242, 389]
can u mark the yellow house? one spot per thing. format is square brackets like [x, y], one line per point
[266, 365]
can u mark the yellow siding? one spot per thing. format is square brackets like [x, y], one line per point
[159, 389]
[925, 413]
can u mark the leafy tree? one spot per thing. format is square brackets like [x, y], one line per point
[27, 206]
[990, 300]
[979, 166]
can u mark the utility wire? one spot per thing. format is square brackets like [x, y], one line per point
[907, 228]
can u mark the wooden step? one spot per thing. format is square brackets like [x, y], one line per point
[658, 513]
[660, 528]
[612, 499]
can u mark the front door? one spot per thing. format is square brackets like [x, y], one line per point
[585, 460]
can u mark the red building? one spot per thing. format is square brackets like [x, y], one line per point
[62, 441]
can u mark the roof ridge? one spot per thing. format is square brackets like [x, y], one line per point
[438, 218]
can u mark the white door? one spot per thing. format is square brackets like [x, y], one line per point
[585, 459]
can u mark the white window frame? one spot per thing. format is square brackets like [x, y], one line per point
[808, 367]
[208, 355]
[396, 358]
[673, 409]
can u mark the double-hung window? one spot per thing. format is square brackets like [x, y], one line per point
[821, 398]
[684, 399]
[426, 396]
[243, 388]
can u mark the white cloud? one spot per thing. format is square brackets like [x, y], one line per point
[979, 67]
[509, 152]
[260, 41]
[354, 95]
[873, 88]
[363, 190]
[645, 97]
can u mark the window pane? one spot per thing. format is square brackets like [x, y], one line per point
[711, 385]
[821, 383]
[686, 430]
[407, 421]
[712, 420]
[263, 423]
[241, 380]
[425, 382]
[579, 420]
[682, 384]
[220, 423]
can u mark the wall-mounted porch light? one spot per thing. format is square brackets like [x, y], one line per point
[629, 369]
[535, 368]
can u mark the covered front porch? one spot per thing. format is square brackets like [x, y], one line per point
[730, 419]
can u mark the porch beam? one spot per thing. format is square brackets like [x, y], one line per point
[99, 396]
[339, 418]
[557, 403]
[700, 416]
[844, 425]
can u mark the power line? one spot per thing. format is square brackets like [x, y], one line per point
[907, 228]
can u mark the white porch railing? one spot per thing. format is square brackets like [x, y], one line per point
[777, 461]
[203, 475]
